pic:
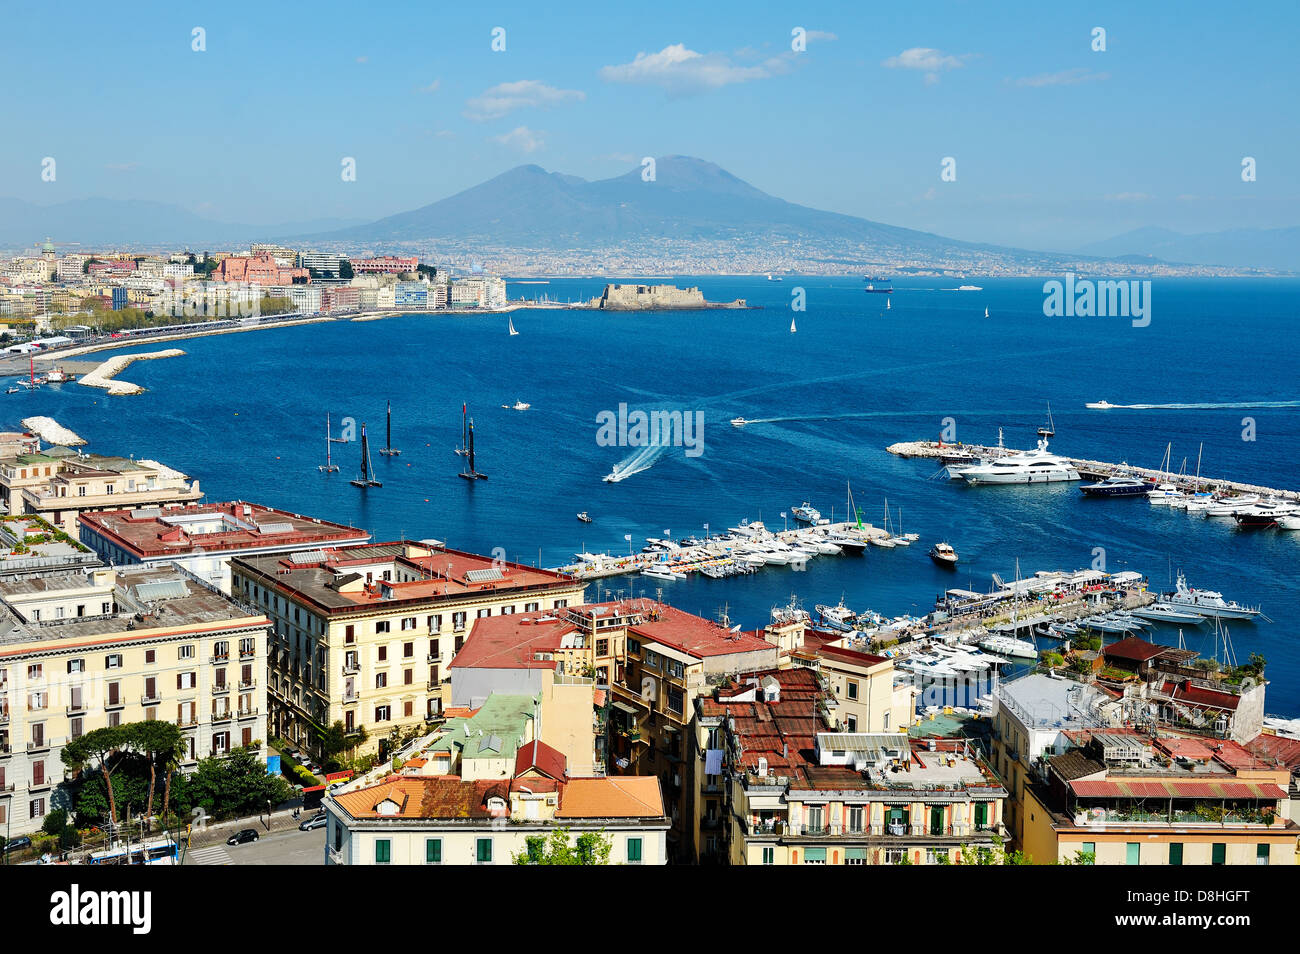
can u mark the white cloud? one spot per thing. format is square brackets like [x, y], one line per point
[821, 35]
[1064, 78]
[522, 139]
[432, 87]
[932, 62]
[679, 70]
[507, 97]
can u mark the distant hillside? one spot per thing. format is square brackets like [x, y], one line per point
[1242, 248]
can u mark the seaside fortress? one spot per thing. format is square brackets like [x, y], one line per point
[203, 538]
[80, 650]
[1121, 796]
[804, 794]
[59, 485]
[363, 634]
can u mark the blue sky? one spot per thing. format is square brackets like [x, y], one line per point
[1055, 144]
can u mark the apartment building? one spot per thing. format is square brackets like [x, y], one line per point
[203, 537]
[798, 792]
[59, 485]
[1131, 797]
[421, 820]
[866, 693]
[363, 635]
[80, 650]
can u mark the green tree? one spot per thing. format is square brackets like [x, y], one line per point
[591, 848]
[163, 745]
[107, 747]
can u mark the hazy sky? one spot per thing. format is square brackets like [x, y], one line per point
[1055, 144]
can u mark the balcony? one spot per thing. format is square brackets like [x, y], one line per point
[222, 716]
[75, 708]
[246, 714]
[251, 684]
[221, 660]
[351, 699]
[113, 704]
[40, 745]
[247, 654]
[434, 658]
[351, 668]
[4, 717]
[220, 688]
[6, 789]
[151, 699]
[187, 722]
[432, 685]
[5, 750]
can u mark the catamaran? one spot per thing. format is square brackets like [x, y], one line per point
[329, 467]
[463, 449]
[388, 450]
[470, 472]
[367, 469]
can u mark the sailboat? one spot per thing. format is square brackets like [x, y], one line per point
[1165, 493]
[986, 311]
[889, 303]
[887, 541]
[462, 450]
[470, 472]
[367, 469]
[511, 322]
[792, 327]
[388, 450]
[329, 467]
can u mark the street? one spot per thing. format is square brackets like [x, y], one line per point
[276, 848]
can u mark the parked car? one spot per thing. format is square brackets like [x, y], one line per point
[316, 821]
[243, 836]
[17, 844]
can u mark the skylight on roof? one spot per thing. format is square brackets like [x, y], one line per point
[484, 576]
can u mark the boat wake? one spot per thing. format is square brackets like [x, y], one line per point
[641, 460]
[1229, 405]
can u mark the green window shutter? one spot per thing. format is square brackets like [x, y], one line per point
[814, 856]
[634, 851]
[1219, 853]
[1134, 853]
[484, 850]
[1176, 853]
[383, 851]
[433, 851]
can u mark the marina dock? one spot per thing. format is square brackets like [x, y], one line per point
[1094, 469]
[718, 557]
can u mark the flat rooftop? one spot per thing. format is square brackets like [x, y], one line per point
[160, 532]
[1044, 702]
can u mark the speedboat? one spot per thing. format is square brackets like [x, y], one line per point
[825, 547]
[1117, 486]
[1031, 467]
[1160, 612]
[584, 518]
[749, 529]
[1207, 602]
[1164, 495]
[1009, 646]
[806, 513]
[1100, 405]
[659, 572]
[738, 422]
[1193, 502]
[517, 406]
[943, 554]
[847, 544]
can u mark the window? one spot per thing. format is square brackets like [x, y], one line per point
[349, 633]
[383, 851]
[458, 621]
[816, 821]
[408, 708]
[34, 672]
[769, 856]
[852, 723]
[408, 677]
[433, 851]
[221, 650]
[76, 665]
[1133, 854]
[1261, 854]
[408, 622]
[36, 808]
[185, 652]
[1175, 852]
[634, 851]
[634, 647]
[485, 612]
[507, 611]
[532, 607]
[383, 626]
[408, 650]
[483, 851]
[381, 680]
[150, 656]
[675, 699]
[602, 647]
[851, 688]
[855, 856]
[185, 680]
[435, 622]
[383, 713]
[113, 661]
[814, 856]
[853, 818]
[383, 654]
[559, 604]
[1218, 853]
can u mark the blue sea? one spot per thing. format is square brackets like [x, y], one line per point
[245, 414]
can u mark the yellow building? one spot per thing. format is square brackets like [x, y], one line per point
[1125, 797]
[363, 635]
[869, 695]
[82, 650]
[60, 484]
[417, 820]
[802, 793]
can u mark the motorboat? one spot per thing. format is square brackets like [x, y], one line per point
[1009, 646]
[851, 545]
[738, 422]
[1165, 495]
[943, 554]
[1160, 612]
[1193, 501]
[1227, 506]
[822, 546]
[517, 406]
[1262, 515]
[750, 529]
[584, 517]
[838, 617]
[886, 542]
[1290, 521]
[1031, 467]
[1117, 486]
[806, 513]
[1207, 602]
[659, 572]
[1100, 406]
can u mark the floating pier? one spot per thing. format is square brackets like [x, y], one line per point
[1093, 469]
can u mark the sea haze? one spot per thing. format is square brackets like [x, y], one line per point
[245, 414]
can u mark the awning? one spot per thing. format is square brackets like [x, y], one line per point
[624, 707]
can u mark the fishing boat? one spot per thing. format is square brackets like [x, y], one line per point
[56, 375]
[470, 472]
[1031, 467]
[388, 450]
[1009, 646]
[517, 406]
[806, 513]
[943, 554]
[838, 617]
[329, 467]
[1160, 612]
[1207, 602]
[738, 422]
[511, 322]
[584, 517]
[367, 469]
[1117, 485]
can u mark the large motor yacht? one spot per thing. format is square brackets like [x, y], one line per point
[1032, 467]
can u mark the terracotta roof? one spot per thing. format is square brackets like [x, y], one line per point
[512, 642]
[445, 796]
[1185, 749]
[1189, 694]
[629, 796]
[1130, 647]
[1074, 765]
[851, 655]
[693, 635]
[1175, 788]
[540, 756]
[1285, 750]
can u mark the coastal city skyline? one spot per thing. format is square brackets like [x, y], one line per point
[1056, 145]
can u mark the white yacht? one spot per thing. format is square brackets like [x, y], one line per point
[1207, 603]
[1230, 505]
[1031, 467]
[1290, 521]
[806, 513]
[1166, 613]
[660, 572]
[1009, 646]
[1165, 495]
